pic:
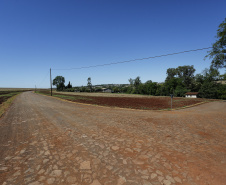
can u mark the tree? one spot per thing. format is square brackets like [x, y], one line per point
[171, 73]
[219, 47]
[137, 86]
[89, 84]
[222, 91]
[180, 91]
[137, 82]
[184, 73]
[222, 77]
[131, 81]
[199, 80]
[211, 74]
[209, 90]
[69, 85]
[59, 81]
[173, 84]
[149, 88]
[116, 89]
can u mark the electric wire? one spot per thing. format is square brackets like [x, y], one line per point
[133, 60]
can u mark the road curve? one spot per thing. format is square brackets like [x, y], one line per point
[49, 141]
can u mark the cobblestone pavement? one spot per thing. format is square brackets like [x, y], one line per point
[49, 141]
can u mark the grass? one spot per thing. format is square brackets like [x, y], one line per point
[10, 94]
[7, 94]
[67, 97]
[103, 94]
[5, 105]
[6, 98]
[15, 89]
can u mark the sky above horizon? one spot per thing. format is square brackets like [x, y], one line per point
[41, 34]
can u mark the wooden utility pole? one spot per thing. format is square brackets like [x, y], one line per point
[171, 95]
[51, 83]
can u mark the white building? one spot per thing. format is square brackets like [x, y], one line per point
[191, 94]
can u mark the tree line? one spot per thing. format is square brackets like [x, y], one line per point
[178, 81]
[181, 80]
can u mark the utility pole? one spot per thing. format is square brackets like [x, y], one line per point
[35, 88]
[51, 82]
[171, 95]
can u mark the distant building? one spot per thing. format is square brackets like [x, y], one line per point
[106, 90]
[191, 94]
[221, 82]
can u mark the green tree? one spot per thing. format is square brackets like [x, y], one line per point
[211, 74]
[209, 90]
[137, 85]
[89, 84]
[137, 82]
[131, 81]
[83, 89]
[159, 90]
[222, 91]
[69, 85]
[199, 80]
[219, 47]
[209, 87]
[186, 73]
[150, 88]
[134, 86]
[171, 73]
[180, 91]
[222, 77]
[175, 86]
[59, 81]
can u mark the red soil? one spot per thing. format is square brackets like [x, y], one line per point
[150, 103]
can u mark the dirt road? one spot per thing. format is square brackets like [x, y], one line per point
[50, 141]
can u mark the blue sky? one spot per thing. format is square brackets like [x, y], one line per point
[41, 34]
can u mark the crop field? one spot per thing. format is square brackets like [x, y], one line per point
[127, 101]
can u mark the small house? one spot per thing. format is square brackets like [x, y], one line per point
[106, 90]
[191, 94]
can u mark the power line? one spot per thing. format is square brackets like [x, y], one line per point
[139, 59]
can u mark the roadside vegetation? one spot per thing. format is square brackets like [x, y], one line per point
[6, 98]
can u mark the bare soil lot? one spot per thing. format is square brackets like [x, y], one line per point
[127, 101]
[49, 141]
